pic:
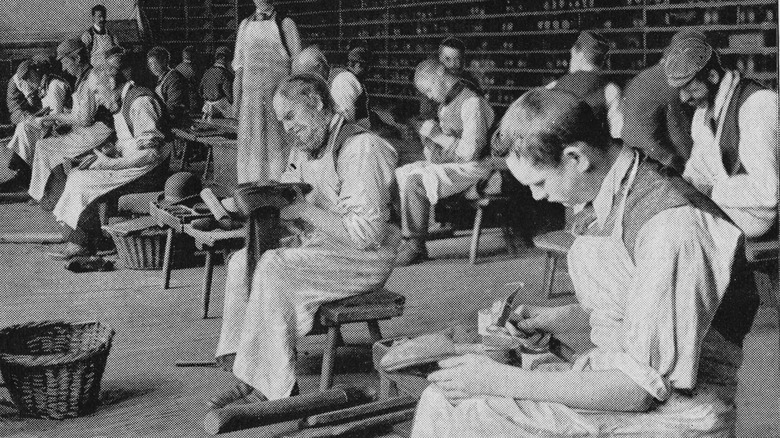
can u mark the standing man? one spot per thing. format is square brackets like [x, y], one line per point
[172, 87]
[653, 116]
[97, 38]
[90, 125]
[734, 130]
[348, 248]
[216, 87]
[451, 53]
[137, 158]
[265, 44]
[662, 288]
[586, 80]
[452, 147]
[54, 94]
[189, 70]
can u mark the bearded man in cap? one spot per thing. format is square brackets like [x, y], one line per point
[586, 80]
[90, 125]
[453, 145]
[734, 130]
[216, 87]
[136, 162]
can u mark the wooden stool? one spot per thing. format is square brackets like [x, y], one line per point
[481, 204]
[370, 307]
[211, 242]
[555, 244]
[762, 258]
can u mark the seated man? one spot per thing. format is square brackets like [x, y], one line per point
[661, 287]
[21, 96]
[136, 162]
[90, 125]
[172, 86]
[734, 130]
[452, 147]
[54, 93]
[348, 246]
[216, 87]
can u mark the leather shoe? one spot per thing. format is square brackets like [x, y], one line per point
[70, 251]
[240, 392]
[410, 252]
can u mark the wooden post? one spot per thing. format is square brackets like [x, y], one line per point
[167, 259]
[209, 273]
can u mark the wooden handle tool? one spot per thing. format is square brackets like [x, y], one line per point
[359, 412]
[355, 428]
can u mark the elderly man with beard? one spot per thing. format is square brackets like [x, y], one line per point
[347, 246]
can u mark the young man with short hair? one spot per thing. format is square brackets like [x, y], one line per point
[97, 38]
[172, 87]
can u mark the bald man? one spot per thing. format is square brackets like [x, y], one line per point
[452, 146]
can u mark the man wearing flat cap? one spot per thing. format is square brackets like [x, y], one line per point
[89, 127]
[586, 80]
[734, 130]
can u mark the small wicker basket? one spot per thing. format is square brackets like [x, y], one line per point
[140, 244]
[52, 369]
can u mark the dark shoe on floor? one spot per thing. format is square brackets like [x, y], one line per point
[410, 252]
[89, 264]
[239, 393]
[19, 183]
[70, 251]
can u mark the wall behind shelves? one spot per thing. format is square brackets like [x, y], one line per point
[515, 45]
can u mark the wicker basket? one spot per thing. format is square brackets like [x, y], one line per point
[144, 249]
[53, 368]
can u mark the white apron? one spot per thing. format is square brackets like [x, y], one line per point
[289, 285]
[26, 135]
[85, 186]
[100, 43]
[603, 267]
[262, 147]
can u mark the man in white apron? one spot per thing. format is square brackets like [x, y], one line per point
[97, 38]
[89, 126]
[265, 44]
[452, 146]
[734, 130]
[347, 246]
[137, 157]
[661, 284]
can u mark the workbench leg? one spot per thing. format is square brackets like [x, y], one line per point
[329, 358]
[207, 282]
[548, 281]
[387, 388]
[167, 259]
[475, 235]
[376, 332]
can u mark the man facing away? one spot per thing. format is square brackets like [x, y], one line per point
[452, 144]
[734, 130]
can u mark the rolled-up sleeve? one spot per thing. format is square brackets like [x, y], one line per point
[684, 259]
[366, 165]
[477, 117]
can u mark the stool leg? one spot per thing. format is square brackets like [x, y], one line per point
[508, 233]
[475, 236]
[329, 358]
[207, 282]
[167, 259]
[373, 328]
[549, 274]
[103, 213]
[387, 388]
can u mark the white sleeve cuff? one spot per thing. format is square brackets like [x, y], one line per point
[646, 377]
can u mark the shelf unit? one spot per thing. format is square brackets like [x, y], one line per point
[515, 45]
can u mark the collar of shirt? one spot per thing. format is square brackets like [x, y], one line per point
[334, 121]
[453, 93]
[729, 81]
[98, 31]
[610, 187]
[265, 14]
[165, 75]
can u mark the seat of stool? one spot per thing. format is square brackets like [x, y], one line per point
[558, 242]
[377, 305]
[757, 251]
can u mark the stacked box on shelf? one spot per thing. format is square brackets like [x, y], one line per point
[514, 45]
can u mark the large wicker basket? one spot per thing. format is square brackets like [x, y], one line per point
[52, 369]
[140, 244]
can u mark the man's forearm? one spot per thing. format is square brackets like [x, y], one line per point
[328, 222]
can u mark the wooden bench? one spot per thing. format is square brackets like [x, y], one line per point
[370, 308]
[556, 245]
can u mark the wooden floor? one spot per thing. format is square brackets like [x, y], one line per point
[143, 394]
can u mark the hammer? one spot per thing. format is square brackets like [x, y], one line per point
[261, 204]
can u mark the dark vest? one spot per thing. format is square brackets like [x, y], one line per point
[134, 93]
[361, 104]
[656, 190]
[347, 130]
[588, 86]
[729, 137]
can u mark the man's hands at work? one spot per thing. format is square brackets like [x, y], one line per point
[468, 376]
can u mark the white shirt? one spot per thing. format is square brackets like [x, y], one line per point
[345, 90]
[54, 96]
[477, 117]
[756, 191]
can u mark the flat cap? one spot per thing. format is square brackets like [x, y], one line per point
[685, 58]
[68, 46]
[359, 54]
[592, 42]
